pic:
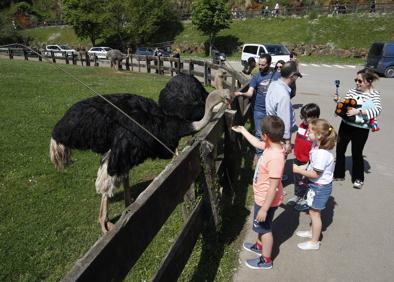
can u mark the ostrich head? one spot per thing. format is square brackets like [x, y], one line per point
[222, 96]
[219, 79]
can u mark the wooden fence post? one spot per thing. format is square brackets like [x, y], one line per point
[10, 54]
[39, 55]
[179, 66]
[158, 70]
[25, 54]
[205, 73]
[53, 57]
[81, 57]
[127, 63]
[191, 67]
[67, 60]
[95, 60]
[147, 64]
[212, 183]
[87, 59]
[131, 61]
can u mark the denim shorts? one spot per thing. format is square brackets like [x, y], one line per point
[264, 226]
[318, 195]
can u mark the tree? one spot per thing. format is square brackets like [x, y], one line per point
[149, 20]
[210, 17]
[86, 17]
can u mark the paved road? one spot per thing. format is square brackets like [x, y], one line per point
[358, 225]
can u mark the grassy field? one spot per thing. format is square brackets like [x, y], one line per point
[358, 30]
[49, 219]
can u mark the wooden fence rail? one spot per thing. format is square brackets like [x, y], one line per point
[149, 64]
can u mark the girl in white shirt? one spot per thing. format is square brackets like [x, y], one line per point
[320, 175]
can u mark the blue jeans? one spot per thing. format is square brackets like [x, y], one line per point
[257, 118]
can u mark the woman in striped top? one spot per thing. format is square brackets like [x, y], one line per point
[356, 127]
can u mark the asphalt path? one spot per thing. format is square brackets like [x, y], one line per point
[358, 225]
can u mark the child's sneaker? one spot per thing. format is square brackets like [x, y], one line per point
[258, 263]
[252, 248]
[304, 234]
[293, 200]
[308, 245]
[301, 206]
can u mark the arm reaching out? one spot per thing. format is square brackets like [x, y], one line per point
[255, 142]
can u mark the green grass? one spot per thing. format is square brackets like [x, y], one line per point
[48, 218]
[55, 35]
[358, 30]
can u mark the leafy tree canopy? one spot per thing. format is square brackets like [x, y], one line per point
[210, 17]
[86, 17]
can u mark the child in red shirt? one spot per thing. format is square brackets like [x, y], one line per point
[267, 187]
[302, 147]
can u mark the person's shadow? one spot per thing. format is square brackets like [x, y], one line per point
[348, 165]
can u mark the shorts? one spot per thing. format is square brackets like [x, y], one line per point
[264, 226]
[318, 195]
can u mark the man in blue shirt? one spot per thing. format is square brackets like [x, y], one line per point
[278, 101]
[258, 87]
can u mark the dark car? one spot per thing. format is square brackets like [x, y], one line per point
[381, 58]
[218, 57]
[150, 51]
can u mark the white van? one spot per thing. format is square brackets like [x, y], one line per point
[277, 52]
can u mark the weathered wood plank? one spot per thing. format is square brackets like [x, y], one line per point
[176, 259]
[116, 252]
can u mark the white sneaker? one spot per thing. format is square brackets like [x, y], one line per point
[358, 184]
[304, 234]
[308, 245]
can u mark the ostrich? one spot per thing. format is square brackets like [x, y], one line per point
[183, 96]
[115, 57]
[218, 80]
[93, 124]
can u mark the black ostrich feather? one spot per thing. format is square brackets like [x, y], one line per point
[184, 97]
[93, 124]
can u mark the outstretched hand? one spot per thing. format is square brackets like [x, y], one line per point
[238, 128]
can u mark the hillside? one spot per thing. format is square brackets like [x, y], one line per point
[332, 34]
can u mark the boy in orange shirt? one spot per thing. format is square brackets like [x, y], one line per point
[267, 187]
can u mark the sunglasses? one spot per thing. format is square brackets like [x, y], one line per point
[263, 65]
[356, 80]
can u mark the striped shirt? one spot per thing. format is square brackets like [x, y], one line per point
[369, 102]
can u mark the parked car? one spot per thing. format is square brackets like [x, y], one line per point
[218, 57]
[59, 50]
[277, 52]
[99, 52]
[144, 51]
[18, 50]
[381, 58]
[150, 51]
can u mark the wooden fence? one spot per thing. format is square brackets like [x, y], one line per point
[149, 64]
[208, 161]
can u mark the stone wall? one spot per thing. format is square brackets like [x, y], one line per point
[327, 50]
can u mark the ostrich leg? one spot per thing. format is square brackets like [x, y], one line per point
[127, 191]
[105, 224]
